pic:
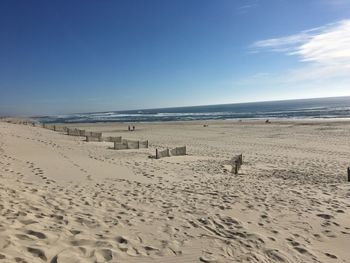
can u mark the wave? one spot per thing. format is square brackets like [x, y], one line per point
[316, 108]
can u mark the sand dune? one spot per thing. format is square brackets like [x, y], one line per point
[66, 200]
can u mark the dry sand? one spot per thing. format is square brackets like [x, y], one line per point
[65, 200]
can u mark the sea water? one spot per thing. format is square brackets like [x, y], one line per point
[337, 107]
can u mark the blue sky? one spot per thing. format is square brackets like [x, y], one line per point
[82, 56]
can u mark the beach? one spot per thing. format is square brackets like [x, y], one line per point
[66, 200]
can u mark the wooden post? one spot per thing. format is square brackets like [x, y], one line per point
[236, 163]
[156, 153]
[348, 174]
[138, 144]
[236, 166]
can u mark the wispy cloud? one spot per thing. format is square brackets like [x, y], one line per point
[247, 6]
[324, 51]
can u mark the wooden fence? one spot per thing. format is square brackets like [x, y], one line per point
[129, 144]
[177, 151]
[162, 154]
[112, 139]
[93, 139]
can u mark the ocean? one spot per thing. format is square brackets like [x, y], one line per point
[325, 108]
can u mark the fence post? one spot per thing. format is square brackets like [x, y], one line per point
[156, 153]
[348, 174]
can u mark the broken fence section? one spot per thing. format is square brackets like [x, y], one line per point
[93, 134]
[59, 128]
[161, 154]
[129, 144]
[93, 139]
[90, 136]
[177, 151]
[112, 139]
[49, 126]
[74, 132]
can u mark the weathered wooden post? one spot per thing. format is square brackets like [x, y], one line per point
[156, 153]
[348, 174]
[236, 163]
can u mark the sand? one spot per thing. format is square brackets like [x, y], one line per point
[66, 200]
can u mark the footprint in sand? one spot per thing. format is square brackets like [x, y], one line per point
[331, 255]
[20, 260]
[104, 255]
[37, 253]
[36, 234]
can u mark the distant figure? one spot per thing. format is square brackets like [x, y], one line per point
[133, 128]
[129, 128]
[267, 121]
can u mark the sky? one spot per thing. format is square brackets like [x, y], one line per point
[69, 56]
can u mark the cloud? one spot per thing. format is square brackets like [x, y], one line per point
[331, 46]
[324, 51]
[246, 7]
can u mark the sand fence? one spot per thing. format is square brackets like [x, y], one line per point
[120, 146]
[49, 126]
[60, 128]
[162, 154]
[117, 139]
[177, 151]
[18, 121]
[53, 127]
[93, 134]
[93, 138]
[130, 144]
[75, 132]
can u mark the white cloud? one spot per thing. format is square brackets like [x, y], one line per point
[324, 52]
[331, 46]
